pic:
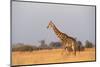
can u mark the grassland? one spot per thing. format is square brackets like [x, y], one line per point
[51, 56]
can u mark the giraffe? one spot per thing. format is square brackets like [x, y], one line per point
[67, 41]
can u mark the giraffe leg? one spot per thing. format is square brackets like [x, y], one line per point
[74, 50]
[63, 50]
[68, 52]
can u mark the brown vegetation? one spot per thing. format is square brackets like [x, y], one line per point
[51, 56]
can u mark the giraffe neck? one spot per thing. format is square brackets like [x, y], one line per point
[62, 36]
[56, 31]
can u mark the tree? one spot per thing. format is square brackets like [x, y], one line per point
[43, 45]
[88, 44]
[80, 46]
[55, 44]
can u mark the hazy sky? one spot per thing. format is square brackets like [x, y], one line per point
[29, 21]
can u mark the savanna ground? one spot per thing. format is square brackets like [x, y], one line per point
[51, 56]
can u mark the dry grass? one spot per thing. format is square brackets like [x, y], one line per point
[50, 56]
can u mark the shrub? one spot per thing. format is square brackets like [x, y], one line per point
[24, 48]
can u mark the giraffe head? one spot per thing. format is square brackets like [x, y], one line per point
[50, 25]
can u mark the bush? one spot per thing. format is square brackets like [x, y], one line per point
[24, 48]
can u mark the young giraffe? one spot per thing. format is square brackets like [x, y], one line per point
[67, 41]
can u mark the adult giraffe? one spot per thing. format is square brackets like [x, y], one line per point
[67, 41]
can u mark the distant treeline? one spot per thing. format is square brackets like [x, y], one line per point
[52, 45]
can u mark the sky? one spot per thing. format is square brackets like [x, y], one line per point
[29, 22]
